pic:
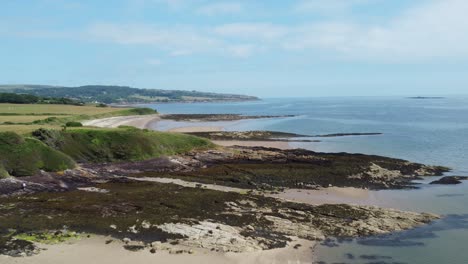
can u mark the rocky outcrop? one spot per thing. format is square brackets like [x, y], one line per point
[253, 136]
[450, 180]
[216, 117]
[143, 212]
[213, 236]
[268, 168]
[318, 224]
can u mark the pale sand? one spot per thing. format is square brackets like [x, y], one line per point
[190, 184]
[189, 129]
[331, 195]
[249, 143]
[94, 250]
[135, 121]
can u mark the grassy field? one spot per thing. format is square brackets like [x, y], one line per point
[39, 109]
[25, 118]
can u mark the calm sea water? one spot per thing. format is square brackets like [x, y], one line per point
[431, 131]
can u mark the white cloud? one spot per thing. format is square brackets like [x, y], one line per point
[172, 3]
[154, 62]
[177, 53]
[242, 50]
[173, 39]
[329, 7]
[221, 8]
[435, 30]
[265, 31]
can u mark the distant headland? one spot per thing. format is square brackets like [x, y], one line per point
[110, 94]
[426, 97]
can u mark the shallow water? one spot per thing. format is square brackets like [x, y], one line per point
[432, 131]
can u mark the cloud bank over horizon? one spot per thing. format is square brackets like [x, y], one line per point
[249, 46]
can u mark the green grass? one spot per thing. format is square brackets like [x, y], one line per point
[20, 156]
[37, 109]
[25, 129]
[122, 144]
[25, 118]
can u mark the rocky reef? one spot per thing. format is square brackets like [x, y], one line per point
[450, 180]
[267, 168]
[167, 214]
[118, 199]
[216, 117]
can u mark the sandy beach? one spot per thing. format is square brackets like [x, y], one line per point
[148, 123]
[189, 129]
[135, 121]
[95, 250]
[331, 195]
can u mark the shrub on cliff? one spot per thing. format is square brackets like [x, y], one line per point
[122, 144]
[73, 124]
[21, 156]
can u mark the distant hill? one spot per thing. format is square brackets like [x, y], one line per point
[13, 98]
[121, 94]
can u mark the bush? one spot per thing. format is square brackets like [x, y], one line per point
[124, 144]
[26, 156]
[142, 111]
[3, 173]
[73, 124]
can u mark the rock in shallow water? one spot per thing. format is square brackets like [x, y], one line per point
[450, 180]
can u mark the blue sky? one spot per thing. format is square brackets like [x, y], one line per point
[269, 48]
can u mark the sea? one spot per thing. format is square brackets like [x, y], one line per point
[431, 131]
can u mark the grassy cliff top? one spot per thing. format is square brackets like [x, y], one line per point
[121, 144]
[20, 156]
[25, 118]
[57, 150]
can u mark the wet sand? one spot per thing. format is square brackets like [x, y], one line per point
[332, 195]
[94, 250]
[189, 129]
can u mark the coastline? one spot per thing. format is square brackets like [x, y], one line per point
[142, 122]
[148, 122]
[96, 247]
[266, 144]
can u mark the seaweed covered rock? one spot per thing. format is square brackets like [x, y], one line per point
[195, 217]
[450, 180]
[268, 168]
